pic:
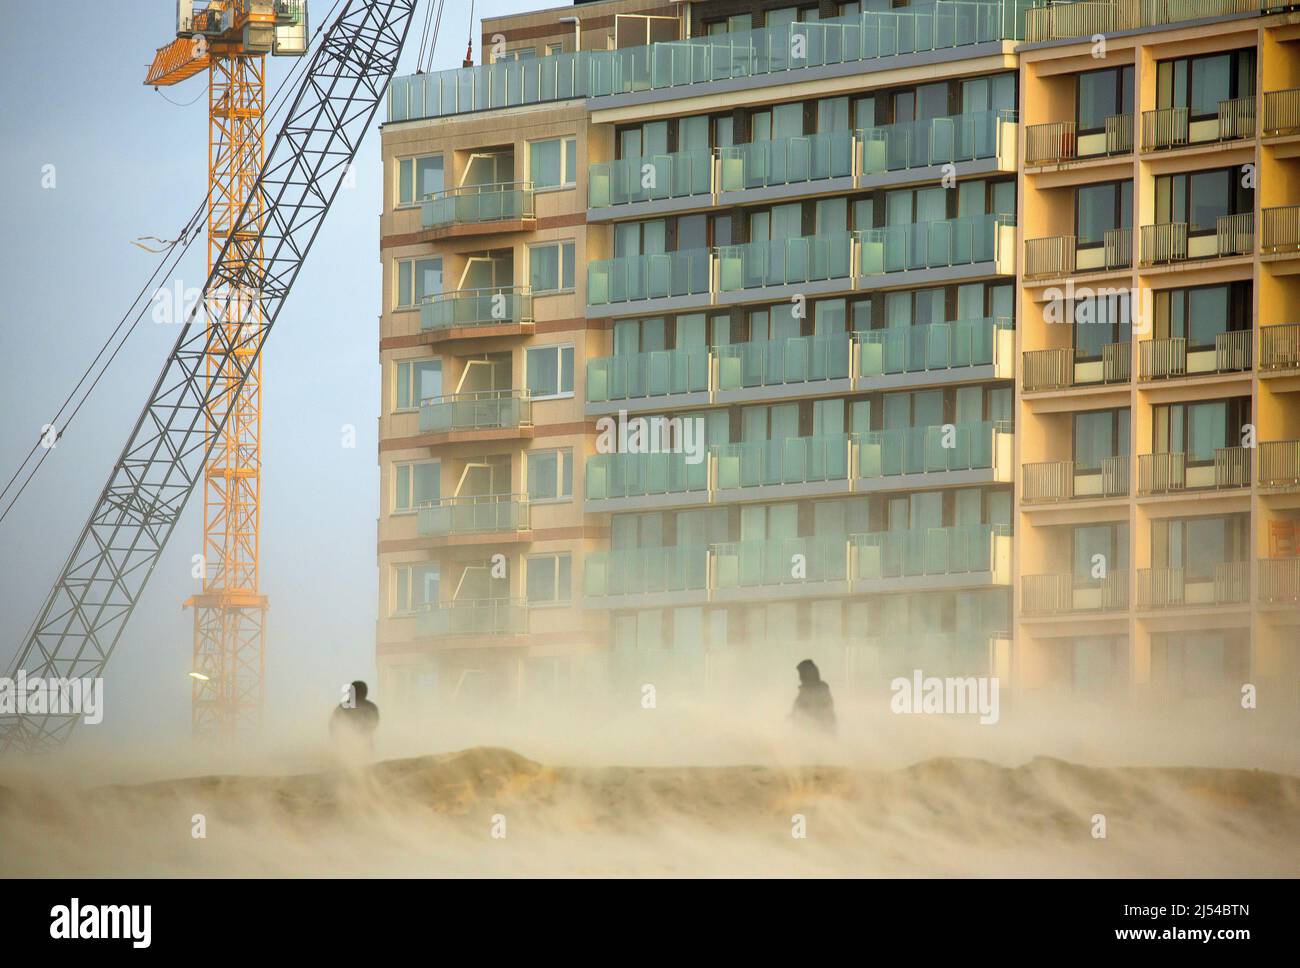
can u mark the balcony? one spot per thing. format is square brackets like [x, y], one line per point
[646, 571]
[1058, 369]
[783, 362]
[611, 476]
[1069, 20]
[1061, 255]
[1279, 464]
[934, 141]
[469, 308]
[474, 514]
[686, 64]
[681, 174]
[931, 450]
[918, 552]
[1279, 346]
[772, 562]
[635, 278]
[1279, 581]
[1168, 358]
[1170, 242]
[1050, 482]
[1281, 230]
[783, 262]
[789, 460]
[786, 161]
[1171, 473]
[1174, 588]
[644, 376]
[1059, 141]
[479, 410]
[484, 616]
[1059, 594]
[938, 244]
[934, 346]
[478, 205]
[1282, 112]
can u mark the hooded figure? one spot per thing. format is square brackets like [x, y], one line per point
[813, 706]
[356, 718]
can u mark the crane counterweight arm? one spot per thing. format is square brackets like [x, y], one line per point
[83, 617]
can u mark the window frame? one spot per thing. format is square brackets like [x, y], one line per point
[410, 362]
[403, 574]
[416, 196]
[394, 508]
[559, 244]
[557, 601]
[559, 349]
[568, 179]
[563, 465]
[413, 261]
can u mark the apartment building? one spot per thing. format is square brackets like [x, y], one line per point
[791, 227]
[1159, 401]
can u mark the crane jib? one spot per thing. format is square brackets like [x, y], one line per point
[82, 619]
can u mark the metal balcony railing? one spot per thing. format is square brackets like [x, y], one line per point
[477, 410]
[1117, 362]
[1118, 246]
[1279, 346]
[1119, 134]
[1237, 118]
[1160, 359]
[1055, 594]
[1279, 463]
[1169, 587]
[1162, 473]
[1232, 350]
[1281, 229]
[1232, 467]
[1165, 128]
[1282, 112]
[1067, 20]
[1048, 482]
[1164, 242]
[1048, 369]
[1051, 143]
[1236, 233]
[1279, 581]
[1050, 257]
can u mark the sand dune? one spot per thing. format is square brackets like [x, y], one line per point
[492, 811]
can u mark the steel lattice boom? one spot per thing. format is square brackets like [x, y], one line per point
[82, 619]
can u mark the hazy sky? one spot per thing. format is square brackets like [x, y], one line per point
[130, 164]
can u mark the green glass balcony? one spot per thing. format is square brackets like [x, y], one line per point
[659, 373]
[786, 161]
[783, 262]
[646, 571]
[789, 460]
[650, 178]
[927, 450]
[658, 276]
[501, 306]
[480, 410]
[479, 616]
[778, 362]
[471, 514]
[961, 549]
[932, 245]
[643, 475]
[933, 346]
[478, 204]
[748, 564]
[934, 141]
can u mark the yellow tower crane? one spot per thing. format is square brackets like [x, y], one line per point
[230, 39]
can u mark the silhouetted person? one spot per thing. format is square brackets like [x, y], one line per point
[356, 717]
[813, 707]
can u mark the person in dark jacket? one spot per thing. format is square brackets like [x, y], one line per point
[813, 707]
[356, 717]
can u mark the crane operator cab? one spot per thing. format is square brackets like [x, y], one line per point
[276, 27]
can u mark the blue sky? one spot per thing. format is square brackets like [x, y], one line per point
[128, 163]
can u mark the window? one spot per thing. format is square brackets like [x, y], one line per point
[416, 280]
[1201, 198]
[418, 178]
[548, 581]
[1199, 314]
[1200, 83]
[550, 372]
[550, 267]
[1099, 434]
[414, 586]
[416, 380]
[1100, 209]
[553, 163]
[1104, 94]
[550, 475]
[415, 484]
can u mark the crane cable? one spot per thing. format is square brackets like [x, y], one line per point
[187, 235]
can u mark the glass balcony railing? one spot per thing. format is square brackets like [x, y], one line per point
[961, 549]
[645, 571]
[478, 616]
[500, 306]
[476, 204]
[933, 346]
[1069, 19]
[786, 161]
[788, 460]
[928, 245]
[643, 475]
[942, 25]
[479, 410]
[934, 141]
[477, 513]
[632, 278]
[773, 561]
[780, 362]
[658, 373]
[650, 178]
[783, 262]
[924, 450]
